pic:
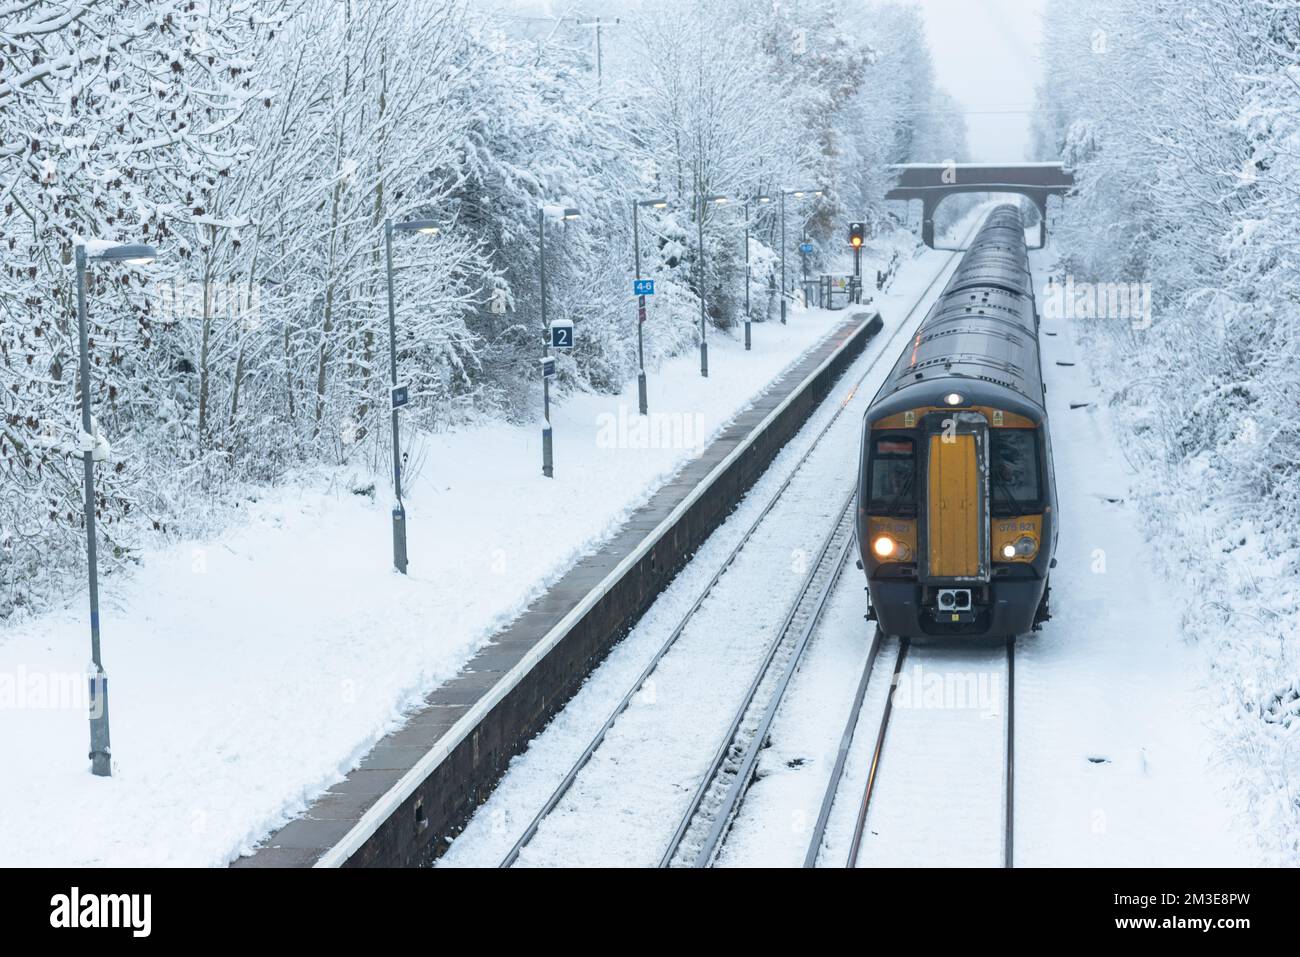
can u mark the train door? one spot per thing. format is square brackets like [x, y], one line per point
[956, 509]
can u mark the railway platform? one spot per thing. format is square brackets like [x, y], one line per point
[415, 789]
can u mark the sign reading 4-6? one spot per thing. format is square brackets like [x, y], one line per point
[643, 287]
[562, 334]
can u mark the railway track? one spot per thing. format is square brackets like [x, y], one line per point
[864, 804]
[703, 827]
[779, 662]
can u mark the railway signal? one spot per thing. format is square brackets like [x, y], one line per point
[857, 233]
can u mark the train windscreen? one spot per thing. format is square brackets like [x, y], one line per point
[1014, 471]
[892, 486]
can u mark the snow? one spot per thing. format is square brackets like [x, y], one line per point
[249, 672]
[626, 803]
[1114, 757]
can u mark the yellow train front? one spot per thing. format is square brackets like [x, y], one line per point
[956, 512]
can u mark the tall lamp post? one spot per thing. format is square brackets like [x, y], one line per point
[427, 227]
[101, 754]
[797, 194]
[704, 345]
[564, 214]
[640, 306]
[762, 198]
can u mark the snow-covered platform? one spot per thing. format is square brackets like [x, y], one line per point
[417, 786]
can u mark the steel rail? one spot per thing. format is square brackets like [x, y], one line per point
[874, 771]
[567, 782]
[842, 756]
[800, 622]
[1008, 852]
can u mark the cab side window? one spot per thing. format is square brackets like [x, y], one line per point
[893, 473]
[1013, 463]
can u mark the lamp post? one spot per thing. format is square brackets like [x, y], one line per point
[704, 345]
[101, 754]
[762, 198]
[797, 194]
[803, 256]
[425, 227]
[564, 214]
[642, 402]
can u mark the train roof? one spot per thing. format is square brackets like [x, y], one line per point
[980, 338]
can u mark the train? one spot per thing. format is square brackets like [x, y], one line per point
[956, 502]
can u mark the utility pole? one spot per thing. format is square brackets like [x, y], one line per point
[547, 455]
[101, 754]
[399, 395]
[640, 308]
[761, 199]
[783, 192]
[598, 24]
[704, 345]
[564, 214]
[748, 337]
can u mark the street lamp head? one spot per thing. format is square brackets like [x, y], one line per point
[425, 227]
[656, 203]
[798, 194]
[133, 254]
[763, 198]
[719, 200]
[552, 211]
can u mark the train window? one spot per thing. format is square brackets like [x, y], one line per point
[1014, 470]
[893, 473]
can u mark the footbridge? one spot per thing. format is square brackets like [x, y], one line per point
[932, 183]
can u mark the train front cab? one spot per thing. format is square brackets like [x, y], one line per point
[955, 521]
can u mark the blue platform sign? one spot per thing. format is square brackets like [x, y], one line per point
[401, 395]
[806, 248]
[562, 334]
[643, 287]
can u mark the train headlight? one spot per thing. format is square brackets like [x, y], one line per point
[1009, 551]
[884, 546]
[1026, 546]
[954, 398]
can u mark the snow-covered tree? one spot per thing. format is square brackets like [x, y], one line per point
[260, 145]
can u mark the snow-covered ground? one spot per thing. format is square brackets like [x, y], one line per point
[1114, 755]
[250, 672]
[1113, 752]
[627, 802]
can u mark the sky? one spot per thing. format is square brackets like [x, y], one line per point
[986, 55]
